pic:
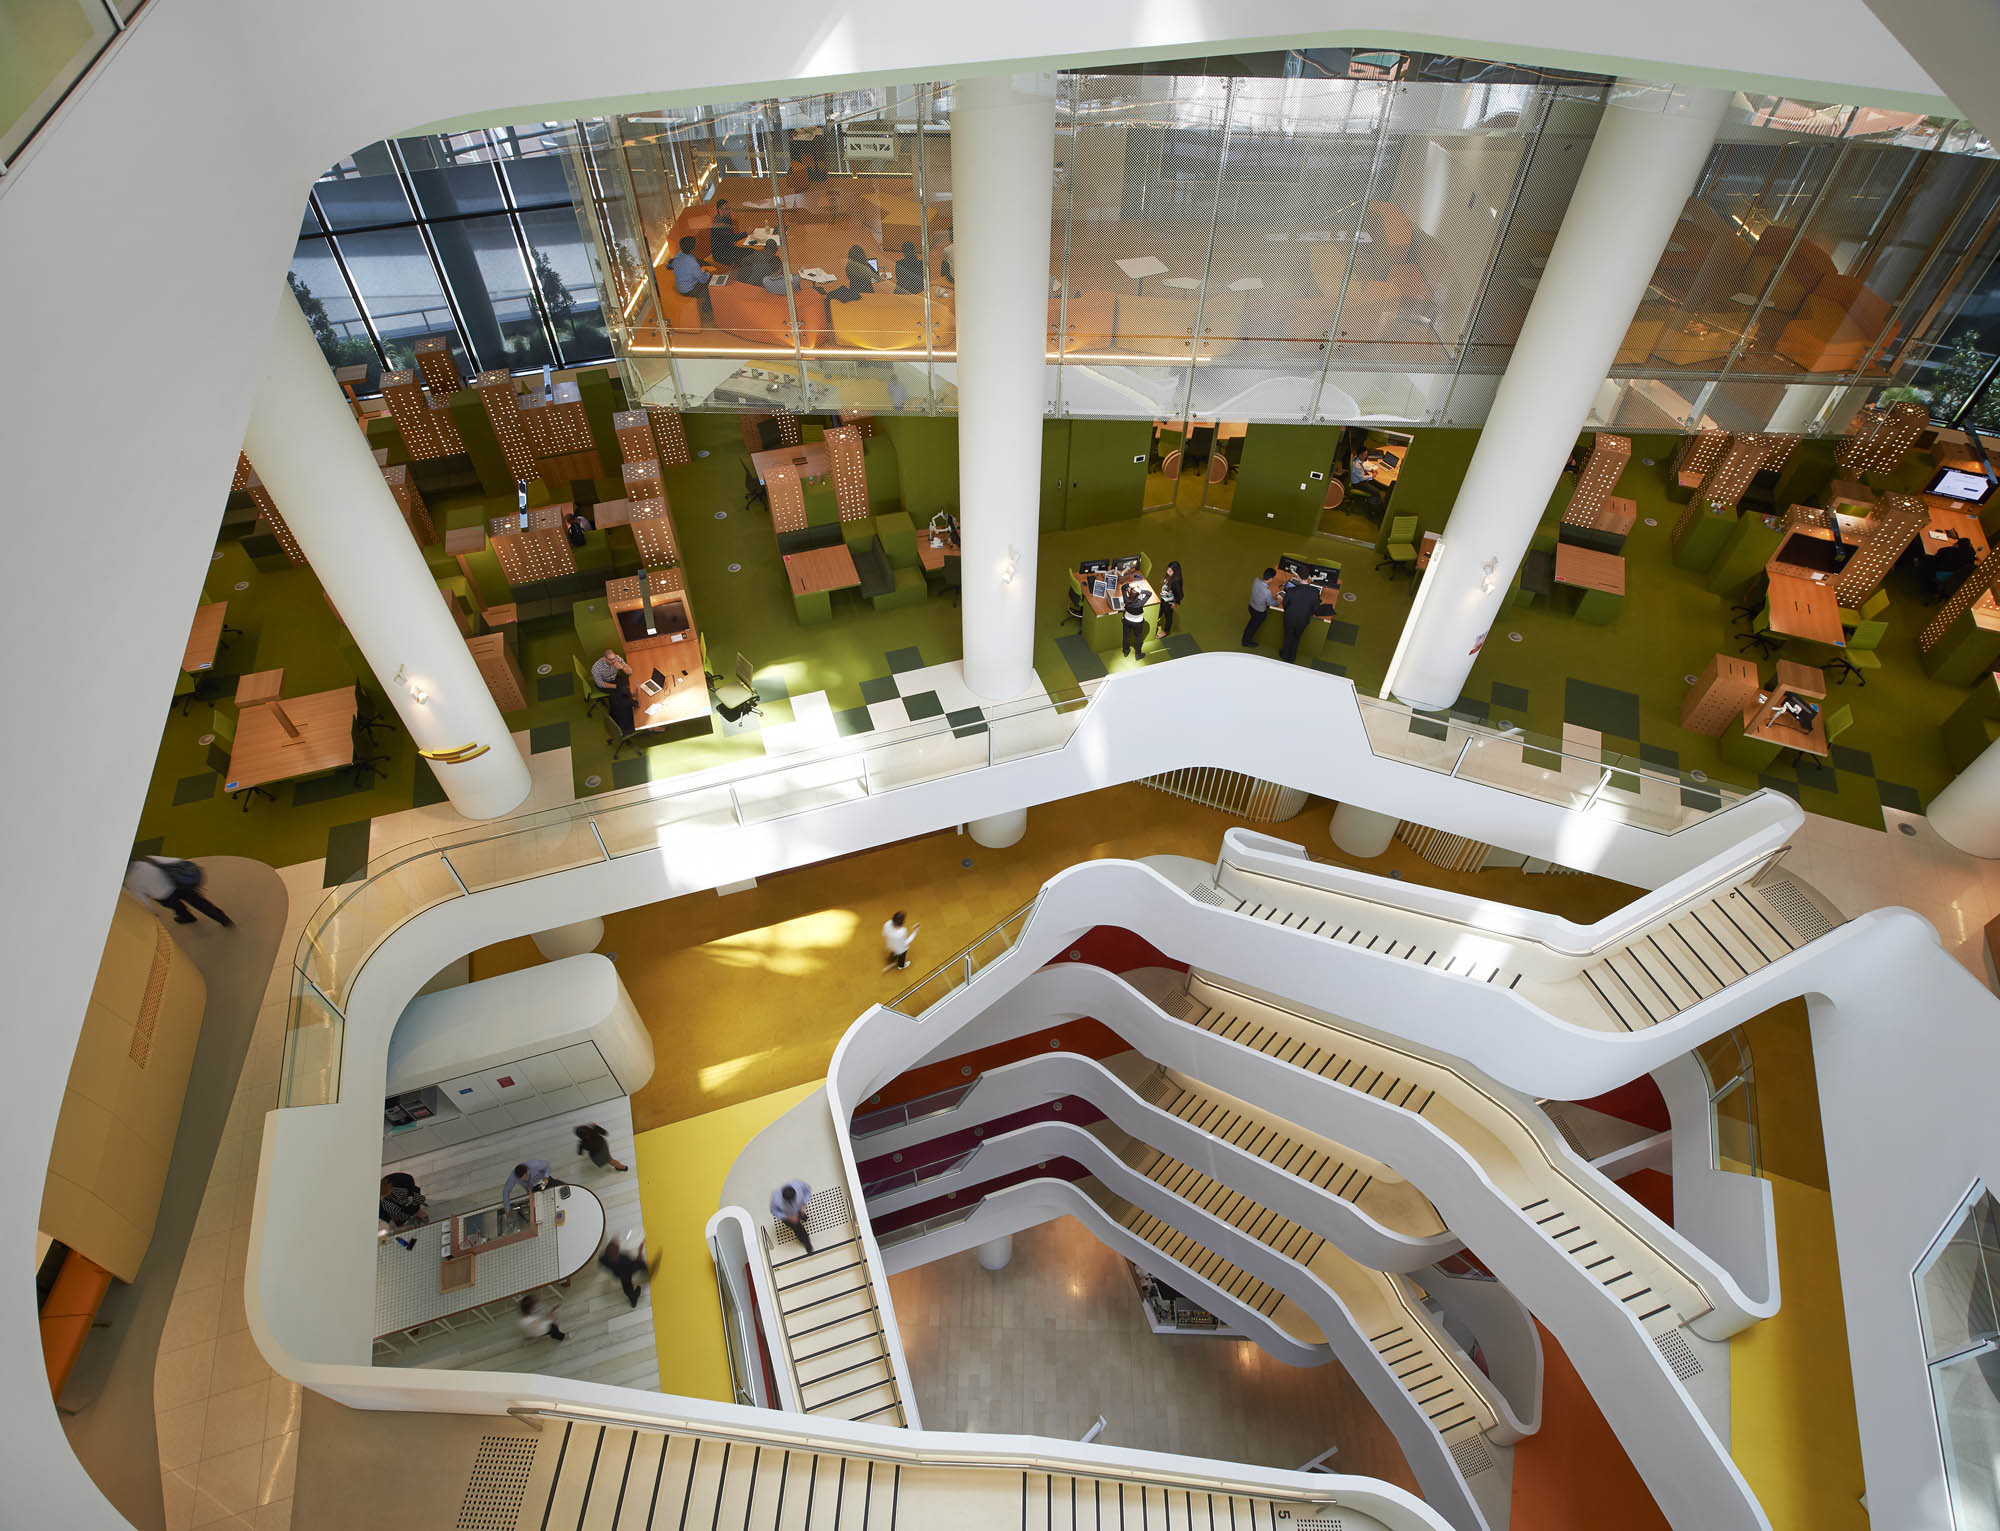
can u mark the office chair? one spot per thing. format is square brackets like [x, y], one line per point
[1838, 720]
[1760, 589]
[1760, 637]
[363, 763]
[1076, 607]
[1402, 548]
[954, 578]
[210, 687]
[1859, 655]
[370, 714]
[592, 697]
[733, 699]
[754, 490]
[616, 737]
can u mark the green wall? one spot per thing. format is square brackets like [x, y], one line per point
[926, 460]
[475, 431]
[1088, 473]
[1274, 486]
[882, 463]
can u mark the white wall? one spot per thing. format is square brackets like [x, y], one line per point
[742, 1267]
[1725, 1214]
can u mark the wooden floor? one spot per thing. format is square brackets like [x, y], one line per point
[1057, 1338]
[609, 1340]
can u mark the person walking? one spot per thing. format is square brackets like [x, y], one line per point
[788, 1205]
[1132, 630]
[1171, 593]
[594, 1140]
[897, 936]
[1260, 603]
[172, 884]
[537, 1320]
[1301, 602]
[626, 1266]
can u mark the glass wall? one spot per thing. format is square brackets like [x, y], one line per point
[1293, 245]
[470, 236]
[45, 47]
[1958, 1298]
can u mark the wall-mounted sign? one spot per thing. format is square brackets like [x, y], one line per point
[868, 145]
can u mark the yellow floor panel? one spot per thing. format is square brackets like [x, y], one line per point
[681, 1168]
[1791, 1414]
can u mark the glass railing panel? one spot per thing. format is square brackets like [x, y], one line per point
[641, 826]
[915, 1000]
[355, 918]
[1018, 733]
[814, 784]
[492, 861]
[49, 44]
[925, 757]
[309, 1072]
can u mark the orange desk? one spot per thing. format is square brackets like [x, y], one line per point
[821, 569]
[1803, 607]
[205, 637]
[292, 736]
[809, 458]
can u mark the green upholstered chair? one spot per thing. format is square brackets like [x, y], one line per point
[1146, 566]
[858, 534]
[1402, 545]
[1869, 609]
[591, 695]
[1838, 721]
[813, 608]
[910, 590]
[1860, 654]
[899, 538]
[616, 737]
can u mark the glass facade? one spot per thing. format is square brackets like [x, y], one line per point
[1958, 1298]
[45, 48]
[470, 236]
[1289, 245]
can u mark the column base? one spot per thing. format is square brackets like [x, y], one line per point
[1000, 830]
[1361, 831]
[569, 940]
[995, 1253]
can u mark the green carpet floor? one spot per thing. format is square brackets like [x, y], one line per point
[1540, 667]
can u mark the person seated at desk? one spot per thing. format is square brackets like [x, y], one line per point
[722, 234]
[690, 279]
[764, 269]
[860, 277]
[1370, 462]
[606, 672]
[577, 526]
[1943, 568]
[909, 269]
[1301, 603]
[1132, 630]
[621, 704]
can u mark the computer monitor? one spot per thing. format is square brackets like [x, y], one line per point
[1802, 711]
[1958, 484]
[1092, 566]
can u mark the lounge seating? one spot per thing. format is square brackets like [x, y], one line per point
[887, 321]
[1092, 316]
[750, 313]
[1839, 324]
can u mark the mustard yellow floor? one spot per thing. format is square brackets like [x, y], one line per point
[749, 993]
[681, 1168]
[1791, 1415]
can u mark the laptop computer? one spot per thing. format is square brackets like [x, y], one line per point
[655, 684]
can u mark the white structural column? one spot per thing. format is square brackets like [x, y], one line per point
[318, 467]
[1002, 157]
[1362, 831]
[1967, 813]
[1643, 163]
[995, 1253]
[1000, 830]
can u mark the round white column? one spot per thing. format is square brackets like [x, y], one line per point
[303, 442]
[995, 1253]
[1649, 149]
[1798, 408]
[570, 940]
[1362, 831]
[998, 831]
[1967, 813]
[1002, 157]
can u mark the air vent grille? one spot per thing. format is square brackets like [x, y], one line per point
[499, 1485]
[1208, 893]
[1680, 1355]
[1472, 1455]
[1791, 905]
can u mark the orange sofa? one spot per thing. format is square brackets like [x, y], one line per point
[748, 312]
[1837, 326]
[890, 321]
[1092, 319]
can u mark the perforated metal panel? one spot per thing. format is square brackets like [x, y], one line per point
[1680, 1355]
[501, 1468]
[1472, 1454]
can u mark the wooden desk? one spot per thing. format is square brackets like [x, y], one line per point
[1803, 607]
[320, 738]
[1615, 517]
[932, 558]
[1807, 680]
[259, 686]
[675, 654]
[1947, 522]
[205, 637]
[817, 463]
[1765, 722]
[1101, 604]
[608, 513]
[820, 569]
[1588, 569]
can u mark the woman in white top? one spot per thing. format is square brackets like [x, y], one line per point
[537, 1321]
[897, 936]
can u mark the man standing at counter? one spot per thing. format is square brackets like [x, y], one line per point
[1260, 603]
[529, 1175]
[1301, 601]
[1132, 631]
